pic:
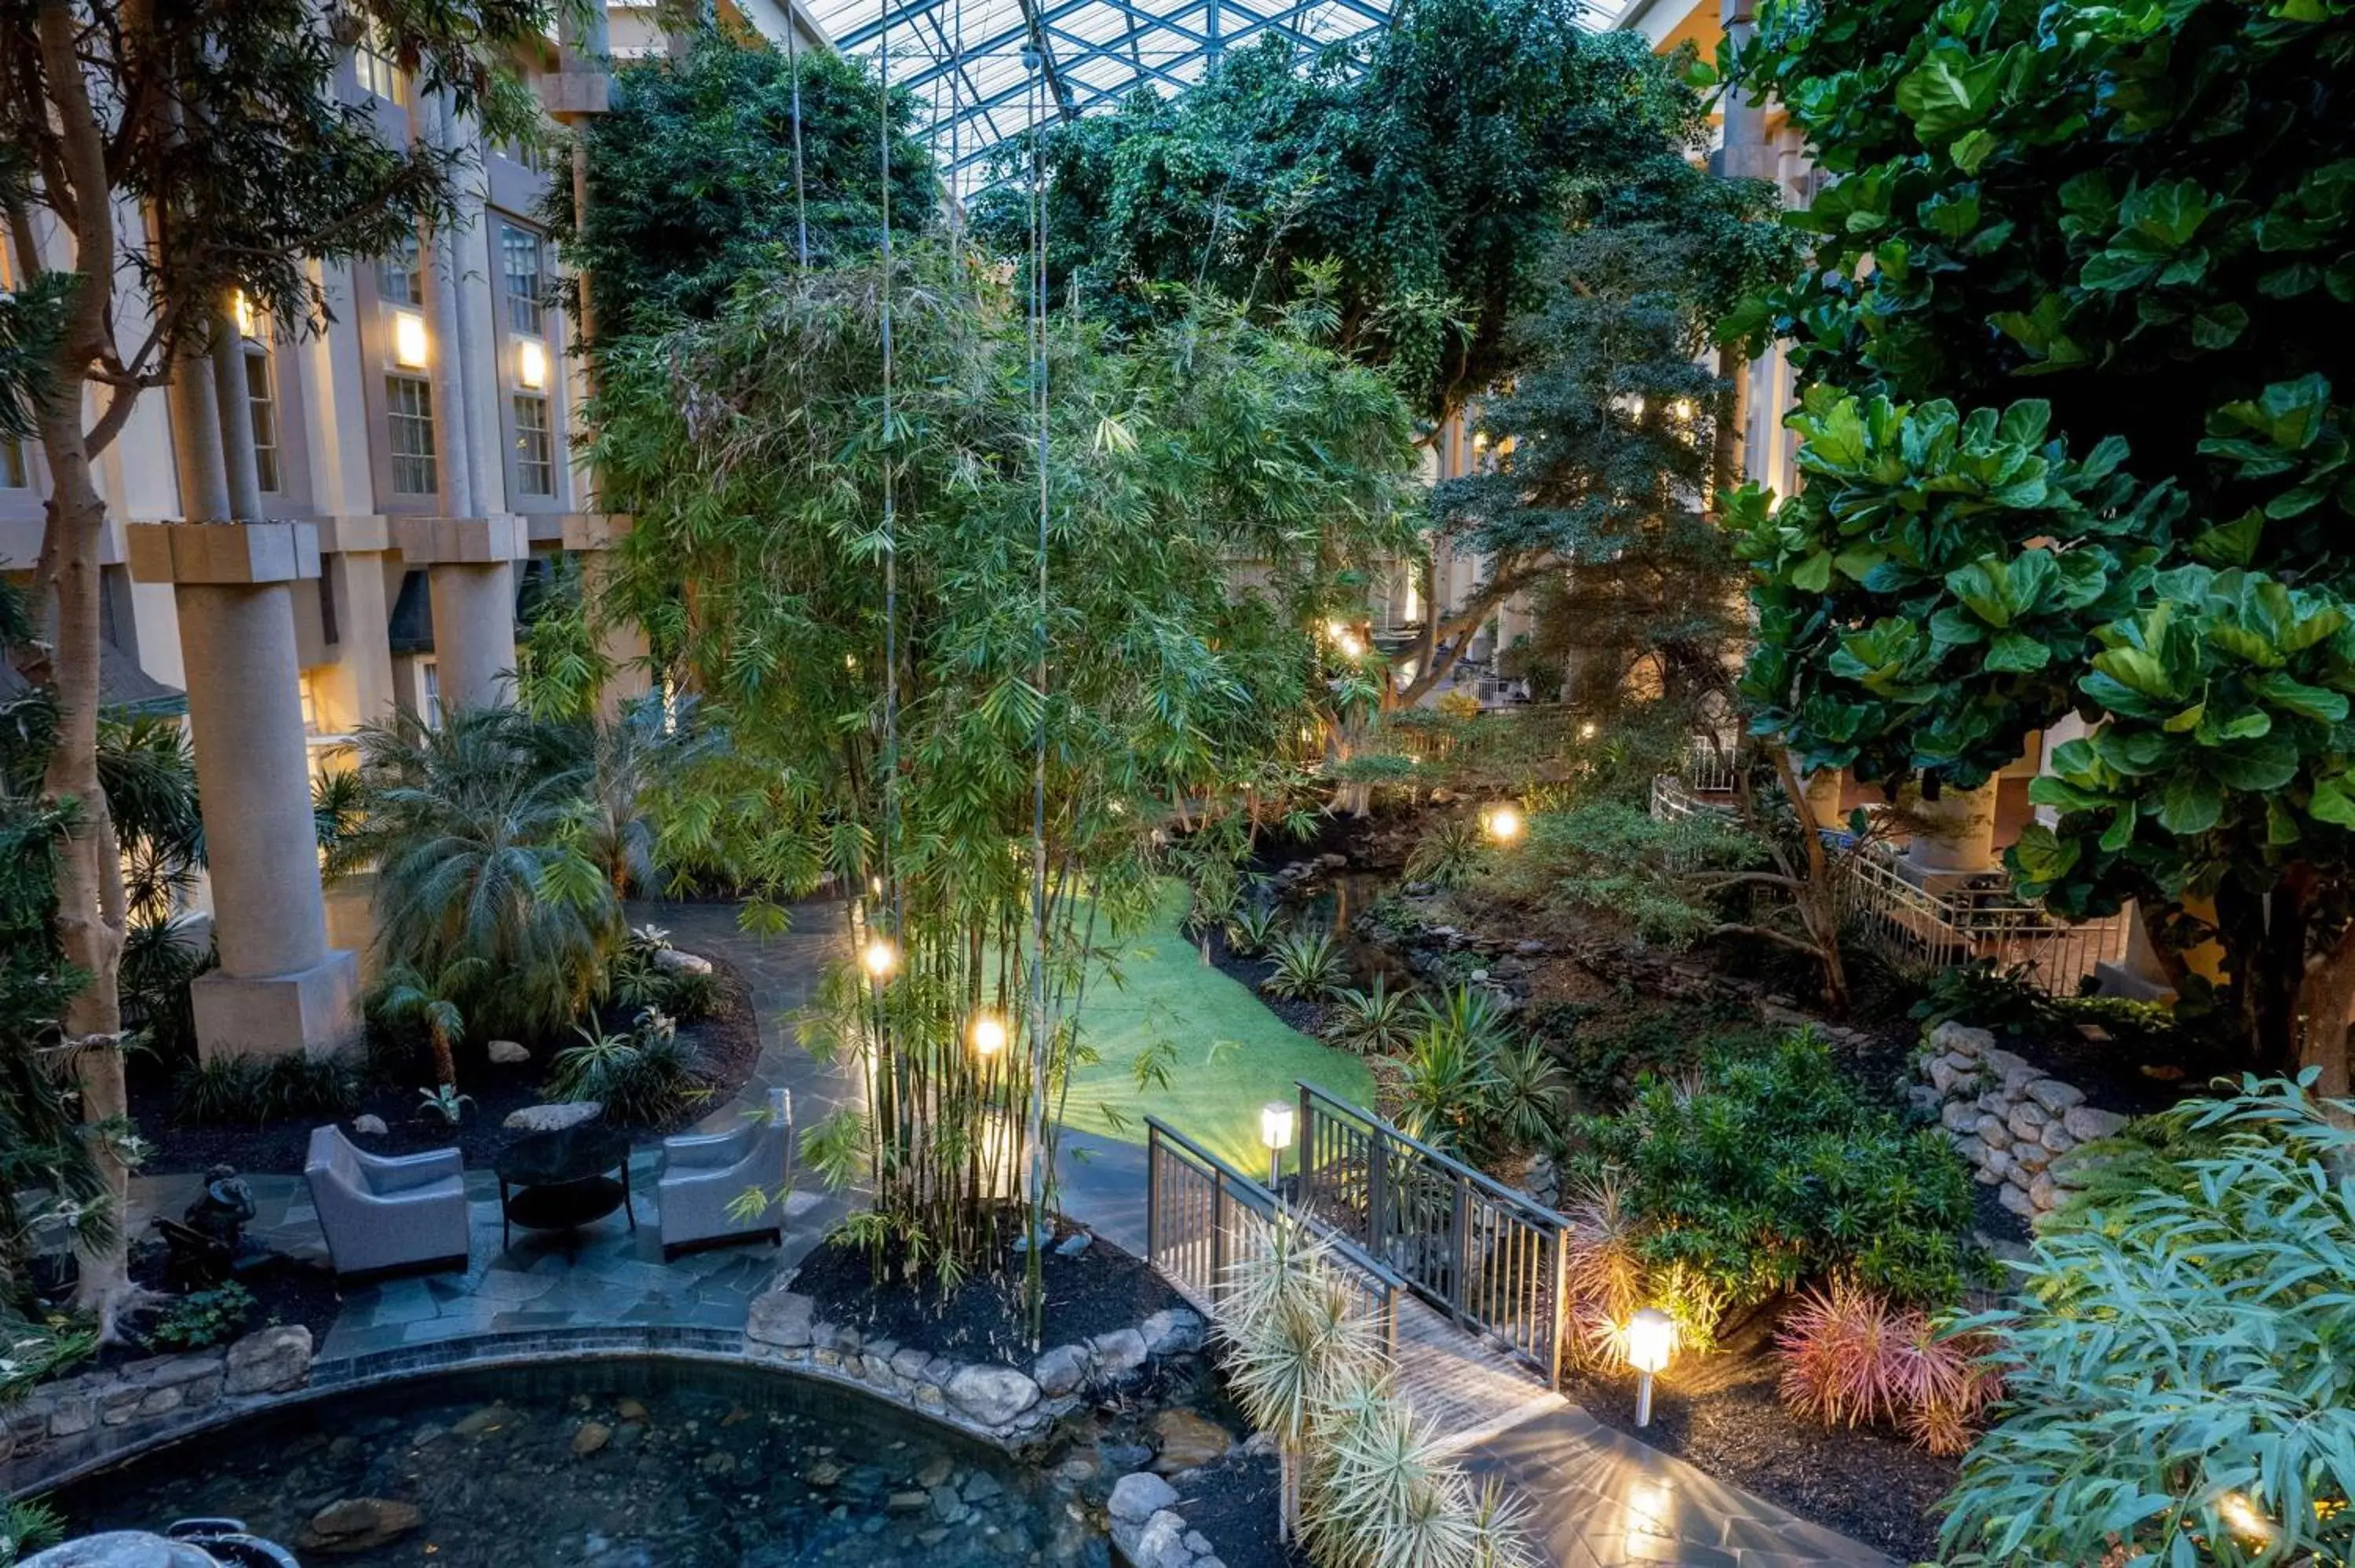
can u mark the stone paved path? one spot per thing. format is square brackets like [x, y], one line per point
[1597, 1498]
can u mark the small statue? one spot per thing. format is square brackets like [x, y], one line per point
[209, 1245]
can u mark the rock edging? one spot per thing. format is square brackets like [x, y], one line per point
[1003, 1405]
[129, 1399]
[2014, 1126]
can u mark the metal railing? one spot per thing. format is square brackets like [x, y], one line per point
[1494, 1259]
[1710, 764]
[1202, 1215]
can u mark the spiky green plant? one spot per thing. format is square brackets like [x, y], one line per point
[27, 1526]
[1529, 1098]
[1465, 1013]
[1308, 966]
[1386, 1491]
[1449, 855]
[1370, 1022]
[1253, 927]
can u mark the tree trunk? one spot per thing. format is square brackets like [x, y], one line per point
[2325, 998]
[445, 1061]
[1820, 903]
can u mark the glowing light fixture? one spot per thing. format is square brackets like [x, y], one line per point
[1650, 1338]
[988, 1034]
[2245, 1518]
[1275, 1133]
[1586, 730]
[1502, 822]
[409, 349]
[1336, 631]
[531, 364]
[241, 310]
[1352, 646]
[880, 958]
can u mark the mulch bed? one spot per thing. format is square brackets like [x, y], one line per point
[1233, 1503]
[1097, 1292]
[285, 1292]
[1721, 1413]
[1307, 1016]
[726, 1045]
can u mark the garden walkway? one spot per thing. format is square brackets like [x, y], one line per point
[1597, 1498]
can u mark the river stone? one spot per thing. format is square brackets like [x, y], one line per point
[1137, 1498]
[122, 1549]
[2031, 1156]
[484, 1422]
[2086, 1123]
[2016, 1200]
[1188, 1441]
[592, 1435]
[1950, 1072]
[1993, 1130]
[1173, 1331]
[1961, 1040]
[507, 1053]
[991, 1396]
[360, 1524]
[1162, 1542]
[781, 1317]
[2055, 1096]
[2043, 1193]
[1960, 1117]
[2026, 1122]
[1995, 1164]
[553, 1117]
[2012, 1070]
[269, 1360]
[2055, 1137]
[1060, 1370]
[367, 1124]
[671, 962]
[1122, 1350]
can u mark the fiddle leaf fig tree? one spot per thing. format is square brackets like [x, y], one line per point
[2074, 356]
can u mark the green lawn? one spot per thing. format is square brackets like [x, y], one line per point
[1230, 1054]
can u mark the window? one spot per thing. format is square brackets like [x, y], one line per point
[262, 398]
[535, 451]
[409, 409]
[377, 72]
[401, 275]
[431, 674]
[13, 474]
[526, 286]
[529, 155]
[310, 691]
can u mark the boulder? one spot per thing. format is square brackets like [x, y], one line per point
[2043, 1193]
[2031, 1157]
[671, 962]
[270, 1361]
[1122, 1350]
[1138, 1497]
[1177, 1331]
[592, 1435]
[2054, 1096]
[2085, 1123]
[553, 1117]
[1961, 1116]
[781, 1317]
[1060, 1370]
[1188, 1441]
[2016, 1200]
[2011, 1069]
[2027, 1121]
[2055, 1137]
[507, 1053]
[1952, 1072]
[367, 1124]
[1959, 1039]
[1996, 1163]
[1162, 1542]
[360, 1524]
[1993, 1130]
[991, 1396]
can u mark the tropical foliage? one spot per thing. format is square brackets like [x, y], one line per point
[2074, 353]
[2179, 1386]
[1851, 1359]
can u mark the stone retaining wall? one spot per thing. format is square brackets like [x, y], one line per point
[989, 1399]
[2015, 1126]
[127, 1403]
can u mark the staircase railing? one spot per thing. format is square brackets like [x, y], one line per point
[1494, 1259]
[1202, 1215]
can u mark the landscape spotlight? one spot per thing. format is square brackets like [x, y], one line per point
[1651, 1337]
[989, 1034]
[880, 958]
[1502, 822]
[1276, 1132]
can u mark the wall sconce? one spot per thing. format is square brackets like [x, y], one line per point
[880, 958]
[1651, 1339]
[1275, 1134]
[988, 1035]
[240, 311]
[1502, 822]
[531, 364]
[409, 349]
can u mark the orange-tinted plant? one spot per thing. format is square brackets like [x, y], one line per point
[1850, 1359]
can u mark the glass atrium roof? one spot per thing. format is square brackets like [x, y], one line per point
[964, 59]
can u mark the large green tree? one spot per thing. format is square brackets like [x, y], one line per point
[2076, 348]
[177, 153]
[850, 579]
[699, 173]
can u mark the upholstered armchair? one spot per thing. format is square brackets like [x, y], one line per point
[706, 1176]
[386, 1212]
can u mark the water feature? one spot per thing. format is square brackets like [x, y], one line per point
[605, 1464]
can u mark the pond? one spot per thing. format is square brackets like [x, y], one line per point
[604, 1463]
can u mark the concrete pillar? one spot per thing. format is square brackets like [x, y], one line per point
[196, 443]
[1957, 830]
[453, 441]
[1746, 153]
[236, 409]
[280, 987]
[353, 552]
[473, 632]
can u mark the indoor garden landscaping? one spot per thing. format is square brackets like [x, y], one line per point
[1445, 784]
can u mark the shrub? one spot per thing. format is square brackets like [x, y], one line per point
[160, 957]
[1464, 1013]
[1307, 966]
[1760, 1175]
[27, 1526]
[2178, 1375]
[1449, 855]
[1369, 1023]
[638, 981]
[202, 1319]
[645, 1075]
[229, 1090]
[1447, 1083]
[1252, 927]
[1470, 1086]
[1851, 1359]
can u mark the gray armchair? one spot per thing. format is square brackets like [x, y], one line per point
[383, 1212]
[703, 1176]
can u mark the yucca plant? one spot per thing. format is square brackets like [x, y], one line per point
[1387, 1492]
[1252, 926]
[1369, 1023]
[1308, 966]
[1529, 1096]
[1445, 1090]
[1449, 855]
[640, 1076]
[1465, 1013]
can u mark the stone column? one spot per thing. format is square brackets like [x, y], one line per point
[280, 987]
[1958, 830]
[353, 550]
[469, 568]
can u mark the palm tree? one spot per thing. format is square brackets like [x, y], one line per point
[476, 831]
[651, 743]
[435, 1002]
